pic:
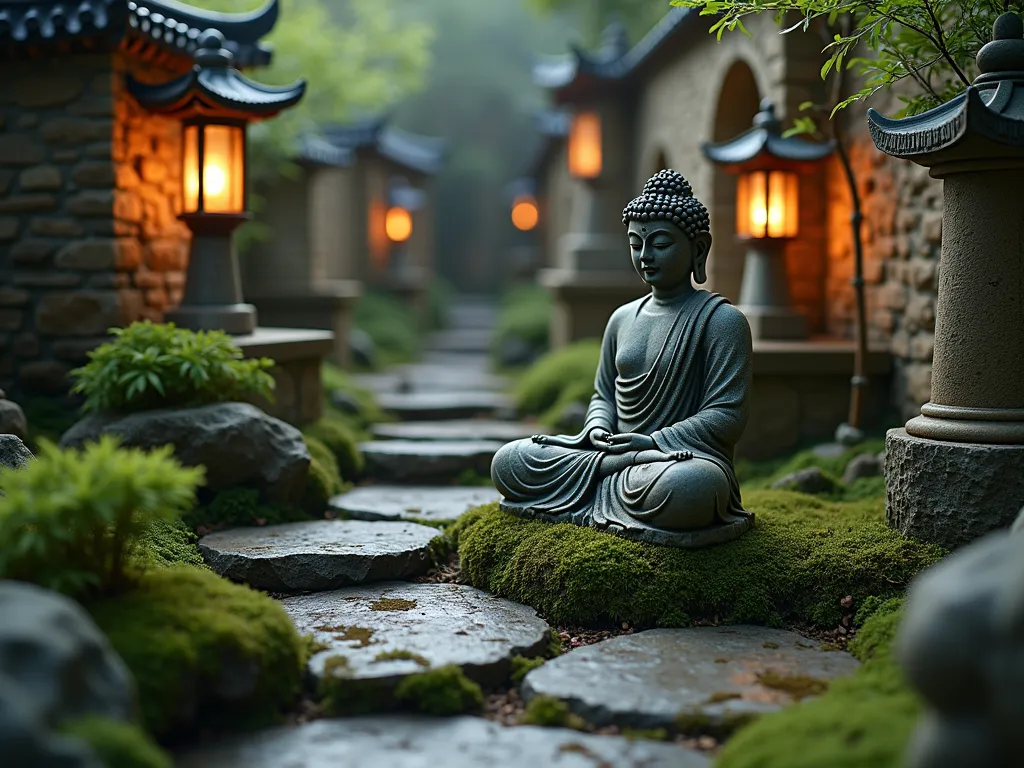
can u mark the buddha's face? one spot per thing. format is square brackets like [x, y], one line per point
[665, 257]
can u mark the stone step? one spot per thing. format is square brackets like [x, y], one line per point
[415, 742]
[656, 678]
[320, 554]
[430, 377]
[425, 462]
[457, 429]
[396, 502]
[433, 406]
[471, 340]
[435, 624]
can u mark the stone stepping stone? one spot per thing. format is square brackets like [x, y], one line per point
[421, 461]
[471, 340]
[390, 502]
[415, 742]
[320, 554]
[425, 377]
[712, 674]
[458, 429]
[434, 406]
[436, 624]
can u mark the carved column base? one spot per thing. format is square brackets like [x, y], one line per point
[1001, 426]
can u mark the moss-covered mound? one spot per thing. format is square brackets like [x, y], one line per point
[559, 379]
[171, 543]
[523, 317]
[756, 475]
[118, 745]
[802, 557]
[863, 720]
[324, 480]
[340, 437]
[203, 651]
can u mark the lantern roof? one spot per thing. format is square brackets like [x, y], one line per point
[764, 147]
[403, 195]
[422, 154]
[983, 121]
[215, 88]
[316, 150]
[169, 25]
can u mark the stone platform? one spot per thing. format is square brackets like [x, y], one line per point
[442, 504]
[433, 406]
[458, 429]
[419, 461]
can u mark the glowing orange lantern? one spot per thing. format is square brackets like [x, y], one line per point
[398, 224]
[767, 204]
[585, 152]
[524, 213]
[213, 168]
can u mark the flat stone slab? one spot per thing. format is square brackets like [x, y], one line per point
[437, 623]
[418, 502]
[431, 377]
[650, 679]
[434, 406]
[458, 429]
[471, 340]
[320, 554]
[415, 742]
[420, 461]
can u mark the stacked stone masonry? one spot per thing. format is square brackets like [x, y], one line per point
[89, 190]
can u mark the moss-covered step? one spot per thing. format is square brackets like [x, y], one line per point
[690, 679]
[413, 742]
[319, 554]
[457, 429]
[373, 637]
[427, 462]
[434, 504]
[449, 404]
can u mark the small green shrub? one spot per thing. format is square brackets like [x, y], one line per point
[118, 745]
[571, 368]
[340, 438]
[150, 366]
[391, 324]
[442, 691]
[524, 315]
[180, 628]
[549, 712]
[803, 556]
[240, 506]
[77, 520]
[324, 480]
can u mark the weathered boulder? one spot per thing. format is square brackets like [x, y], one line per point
[811, 480]
[55, 666]
[13, 452]
[864, 465]
[12, 418]
[237, 443]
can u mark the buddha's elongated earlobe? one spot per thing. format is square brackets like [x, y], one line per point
[701, 249]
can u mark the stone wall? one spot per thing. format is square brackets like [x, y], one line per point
[86, 216]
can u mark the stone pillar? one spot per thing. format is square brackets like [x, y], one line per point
[957, 470]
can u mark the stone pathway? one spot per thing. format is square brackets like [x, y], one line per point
[455, 429]
[423, 461]
[439, 504]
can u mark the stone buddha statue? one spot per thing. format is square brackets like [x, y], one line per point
[654, 461]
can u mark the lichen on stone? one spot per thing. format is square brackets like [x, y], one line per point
[798, 687]
[392, 604]
[401, 655]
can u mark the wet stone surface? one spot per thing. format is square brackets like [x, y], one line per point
[457, 429]
[412, 742]
[432, 406]
[321, 554]
[419, 461]
[458, 376]
[432, 624]
[662, 677]
[389, 502]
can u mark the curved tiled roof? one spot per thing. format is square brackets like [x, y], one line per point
[423, 154]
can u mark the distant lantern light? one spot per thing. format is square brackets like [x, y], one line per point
[525, 213]
[585, 151]
[398, 224]
[767, 204]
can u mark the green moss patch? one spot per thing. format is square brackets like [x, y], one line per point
[522, 666]
[324, 480]
[442, 691]
[203, 651]
[401, 655]
[863, 720]
[392, 604]
[802, 557]
[339, 436]
[238, 507]
[797, 686]
[118, 745]
[171, 542]
[559, 378]
[550, 712]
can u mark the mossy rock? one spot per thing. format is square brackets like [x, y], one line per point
[443, 691]
[324, 480]
[116, 744]
[241, 506]
[862, 720]
[203, 651]
[571, 368]
[338, 435]
[802, 557]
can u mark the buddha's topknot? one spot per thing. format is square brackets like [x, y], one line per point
[667, 196]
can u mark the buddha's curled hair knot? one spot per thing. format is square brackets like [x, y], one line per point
[667, 196]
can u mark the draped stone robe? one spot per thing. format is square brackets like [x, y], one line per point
[677, 371]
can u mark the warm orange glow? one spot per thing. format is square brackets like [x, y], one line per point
[398, 224]
[767, 204]
[585, 157]
[378, 236]
[524, 213]
[223, 171]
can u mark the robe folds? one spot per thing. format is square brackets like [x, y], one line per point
[680, 374]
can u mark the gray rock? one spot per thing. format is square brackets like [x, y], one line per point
[12, 419]
[810, 480]
[419, 461]
[55, 666]
[961, 645]
[862, 465]
[649, 679]
[457, 429]
[432, 406]
[389, 502]
[951, 493]
[237, 443]
[321, 554]
[414, 742]
[849, 436]
[829, 450]
[345, 402]
[441, 623]
[13, 453]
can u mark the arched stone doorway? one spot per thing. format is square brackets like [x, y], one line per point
[738, 101]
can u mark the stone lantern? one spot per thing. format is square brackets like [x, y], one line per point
[215, 103]
[957, 471]
[767, 211]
